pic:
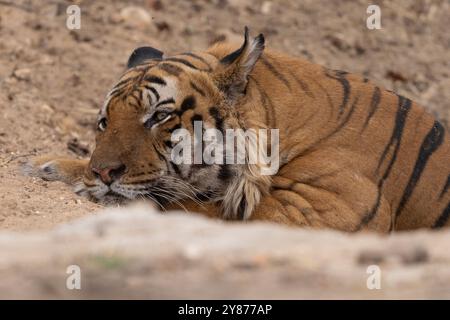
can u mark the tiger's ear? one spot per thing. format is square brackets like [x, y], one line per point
[231, 76]
[141, 54]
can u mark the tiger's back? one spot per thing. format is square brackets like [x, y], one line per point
[342, 137]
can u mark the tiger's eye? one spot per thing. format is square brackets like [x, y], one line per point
[102, 124]
[161, 116]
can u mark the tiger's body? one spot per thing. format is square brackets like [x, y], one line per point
[353, 156]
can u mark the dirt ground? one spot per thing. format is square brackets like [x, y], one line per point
[53, 80]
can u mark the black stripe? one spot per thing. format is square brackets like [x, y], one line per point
[290, 185]
[337, 129]
[155, 79]
[187, 104]
[330, 101]
[340, 76]
[175, 127]
[302, 84]
[167, 101]
[214, 112]
[170, 69]
[275, 72]
[376, 97]
[136, 105]
[175, 168]
[168, 163]
[138, 97]
[182, 61]
[373, 211]
[224, 172]
[196, 117]
[429, 145]
[195, 56]
[143, 68]
[115, 93]
[242, 207]
[404, 104]
[445, 188]
[196, 88]
[443, 218]
[266, 103]
[347, 118]
[160, 155]
[124, 82]
[155, 92]
[168, 143]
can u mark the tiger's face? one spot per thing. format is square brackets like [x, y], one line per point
[155, 98]
[133, 157]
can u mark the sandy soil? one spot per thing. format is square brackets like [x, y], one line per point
[53, 80]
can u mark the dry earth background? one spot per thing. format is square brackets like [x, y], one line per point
[53, 81]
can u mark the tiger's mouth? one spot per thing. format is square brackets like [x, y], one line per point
[118, 193]
[119, 198]
[129, 193]
[162, 191]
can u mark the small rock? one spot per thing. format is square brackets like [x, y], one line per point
[339, 42]
[135, 17]
[396, 76]
[47, 109]
[162, 26]
[80, 37]
[22, 74]
[266, 7]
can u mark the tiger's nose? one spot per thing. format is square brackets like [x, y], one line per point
[110, 174]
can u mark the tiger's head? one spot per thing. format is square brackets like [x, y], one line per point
[158, 97]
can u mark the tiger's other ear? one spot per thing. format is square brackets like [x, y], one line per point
[231, 76]
[141, 54]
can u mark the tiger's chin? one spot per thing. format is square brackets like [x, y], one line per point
[117, 193]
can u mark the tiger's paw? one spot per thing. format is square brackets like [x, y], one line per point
[52, 168]
[44, 167]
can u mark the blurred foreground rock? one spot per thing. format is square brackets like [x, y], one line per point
[135, 253]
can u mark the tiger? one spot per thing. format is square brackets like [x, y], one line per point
[353, 156]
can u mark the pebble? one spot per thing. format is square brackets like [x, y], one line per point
[46, 108]
[22, 74]
[266, 7]
[135, 16]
